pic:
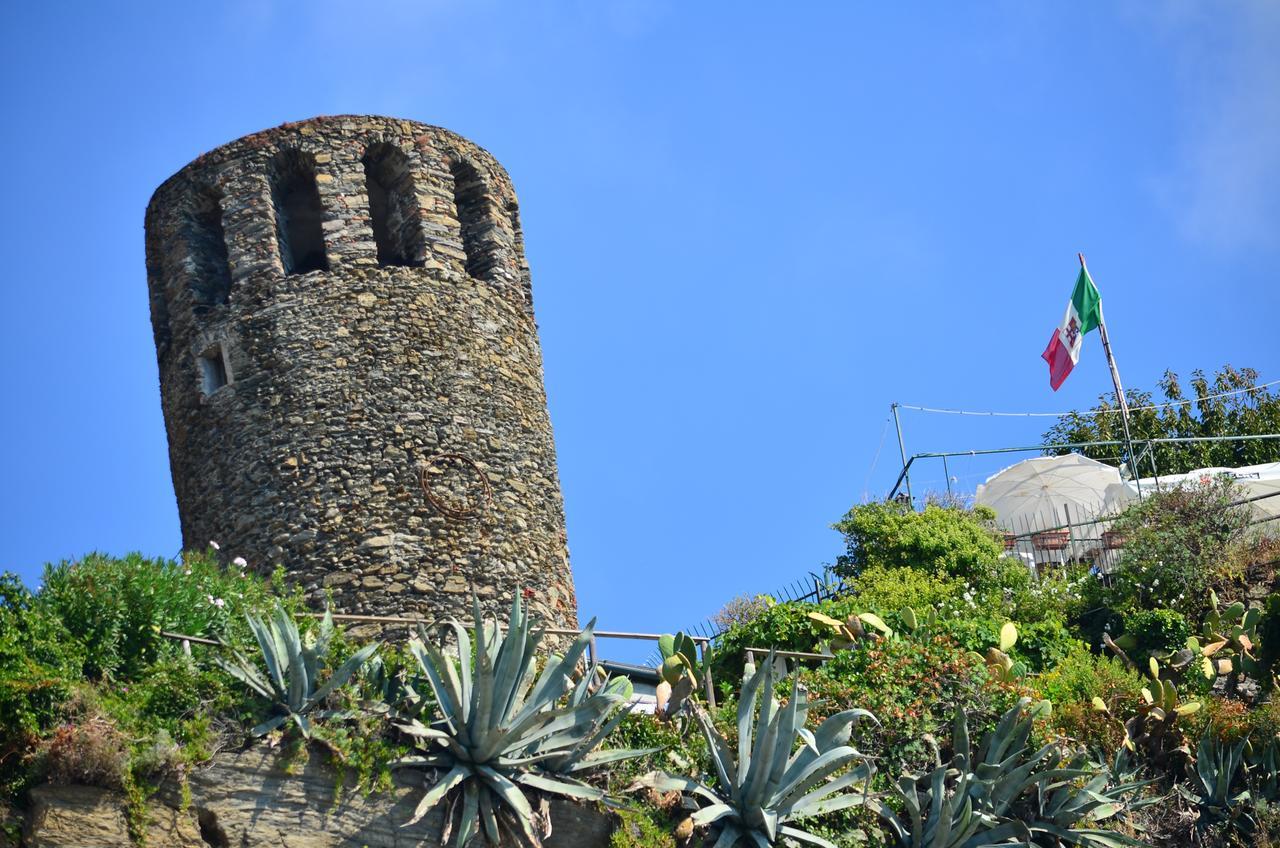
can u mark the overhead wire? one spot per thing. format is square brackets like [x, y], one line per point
[1169, 405]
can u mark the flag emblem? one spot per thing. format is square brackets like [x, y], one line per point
[1084, 313]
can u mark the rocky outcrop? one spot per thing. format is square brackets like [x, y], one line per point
[256, 798]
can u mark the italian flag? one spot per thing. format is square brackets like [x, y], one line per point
[1084, 313]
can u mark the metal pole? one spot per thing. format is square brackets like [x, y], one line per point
[1121, 401]
[946, 473]
[902, 451]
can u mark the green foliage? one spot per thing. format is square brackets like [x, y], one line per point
[786, 627]
[946, 540]
[1006, 793]
[914, 686]
[1072, 684]
[116, 608]
[1177, 544]
[1269, 636]
[295, 664]
[770, 784]
[1253, 413]
[1155, 631]
[39, 663]
[500, 729]
[887, 589]
[1212, 784]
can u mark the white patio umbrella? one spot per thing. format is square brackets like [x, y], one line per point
[1047, 491]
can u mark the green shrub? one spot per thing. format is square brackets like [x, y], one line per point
[913, 687]
[786, 627]
[886, 590]
[1071, 685]
[1178, 544]
[39, 663]
[116, 608]
[948, 540]
[1156, 631]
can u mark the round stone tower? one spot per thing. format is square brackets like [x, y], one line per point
[350, 369]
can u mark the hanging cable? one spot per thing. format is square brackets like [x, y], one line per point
[872, 470]
[1097, 412]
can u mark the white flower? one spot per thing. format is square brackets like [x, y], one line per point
[186, 571]
[218, 602]
[240, 561]
[215, 545]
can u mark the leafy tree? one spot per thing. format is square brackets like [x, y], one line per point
[1251, 413]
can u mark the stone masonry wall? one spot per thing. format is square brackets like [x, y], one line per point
[382, 431]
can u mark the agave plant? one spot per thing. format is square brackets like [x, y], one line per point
[1217, 768]
[772, 782]
[1006, 794]
[1064, 809]
[294, 665]
[1264, 767]
[498, 729]
[942, 816]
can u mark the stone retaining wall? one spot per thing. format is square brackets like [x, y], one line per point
[248, 799]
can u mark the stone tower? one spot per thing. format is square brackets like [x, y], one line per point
[350, 369]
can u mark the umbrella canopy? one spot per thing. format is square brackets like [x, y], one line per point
[1047, 491]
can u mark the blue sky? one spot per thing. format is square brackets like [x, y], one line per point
[751, 228]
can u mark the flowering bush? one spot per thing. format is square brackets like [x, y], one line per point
[741, 611]
[1178, 544]
[117, 608]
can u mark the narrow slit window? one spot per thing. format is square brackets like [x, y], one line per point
[393, 206]
[471, 200]
[214, 373]
[207, 249]
[299, 214]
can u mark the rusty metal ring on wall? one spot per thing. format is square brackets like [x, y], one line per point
[486, 498]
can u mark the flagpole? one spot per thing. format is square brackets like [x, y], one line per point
[1115, 379]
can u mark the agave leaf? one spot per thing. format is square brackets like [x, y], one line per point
[433, 665]
[566, 787]
[819, 801]
[270, 653]
[661, 781]
[511, 795]
[611, 755]
[766, 744]
[488, 818]
[437, 793]
[747, 715]
[303, 723]
[343, 673]
[713, 813]
[243, 671]
[269, 725]
[828, 763]
[464, 661]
